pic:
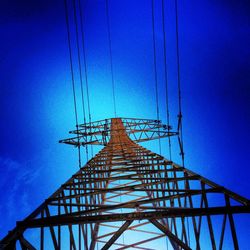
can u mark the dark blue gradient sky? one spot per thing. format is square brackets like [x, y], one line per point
[36, 101]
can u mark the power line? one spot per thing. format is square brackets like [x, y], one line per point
[180, 136]
[85, 65]
[72, 78]
[180, 131]
[166, 79]
[155, 69]
[84, 57]
[111, 57]
[79, 66]
[79, 59]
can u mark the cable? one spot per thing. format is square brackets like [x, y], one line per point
[79, 59]
[178, 54]
[80, 67]
[180, 136]
[85, 66]
[84, 57]
[111, 58]
[155, 71]
[72, 79]
[166, 79]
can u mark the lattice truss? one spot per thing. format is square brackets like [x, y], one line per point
[99, 132]
[128, 197]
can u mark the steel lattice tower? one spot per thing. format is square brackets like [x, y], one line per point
[127, 197]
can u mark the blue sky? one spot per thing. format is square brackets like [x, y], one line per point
[36, 102]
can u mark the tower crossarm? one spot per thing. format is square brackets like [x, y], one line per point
[99, 133]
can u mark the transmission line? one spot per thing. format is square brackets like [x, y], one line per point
[79, 66]
[155, 69]
[72, 78]
[180, 131]
[79, 59]
[166, 79]
[85, 65]
[180, 135]
[111, 57]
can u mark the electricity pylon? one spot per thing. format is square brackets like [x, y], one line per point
[127, 197]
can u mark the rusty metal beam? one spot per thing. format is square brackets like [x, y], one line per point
[177, 242]
[168, 213]
[117, 234]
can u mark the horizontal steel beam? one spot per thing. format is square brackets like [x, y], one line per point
[168, 213]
